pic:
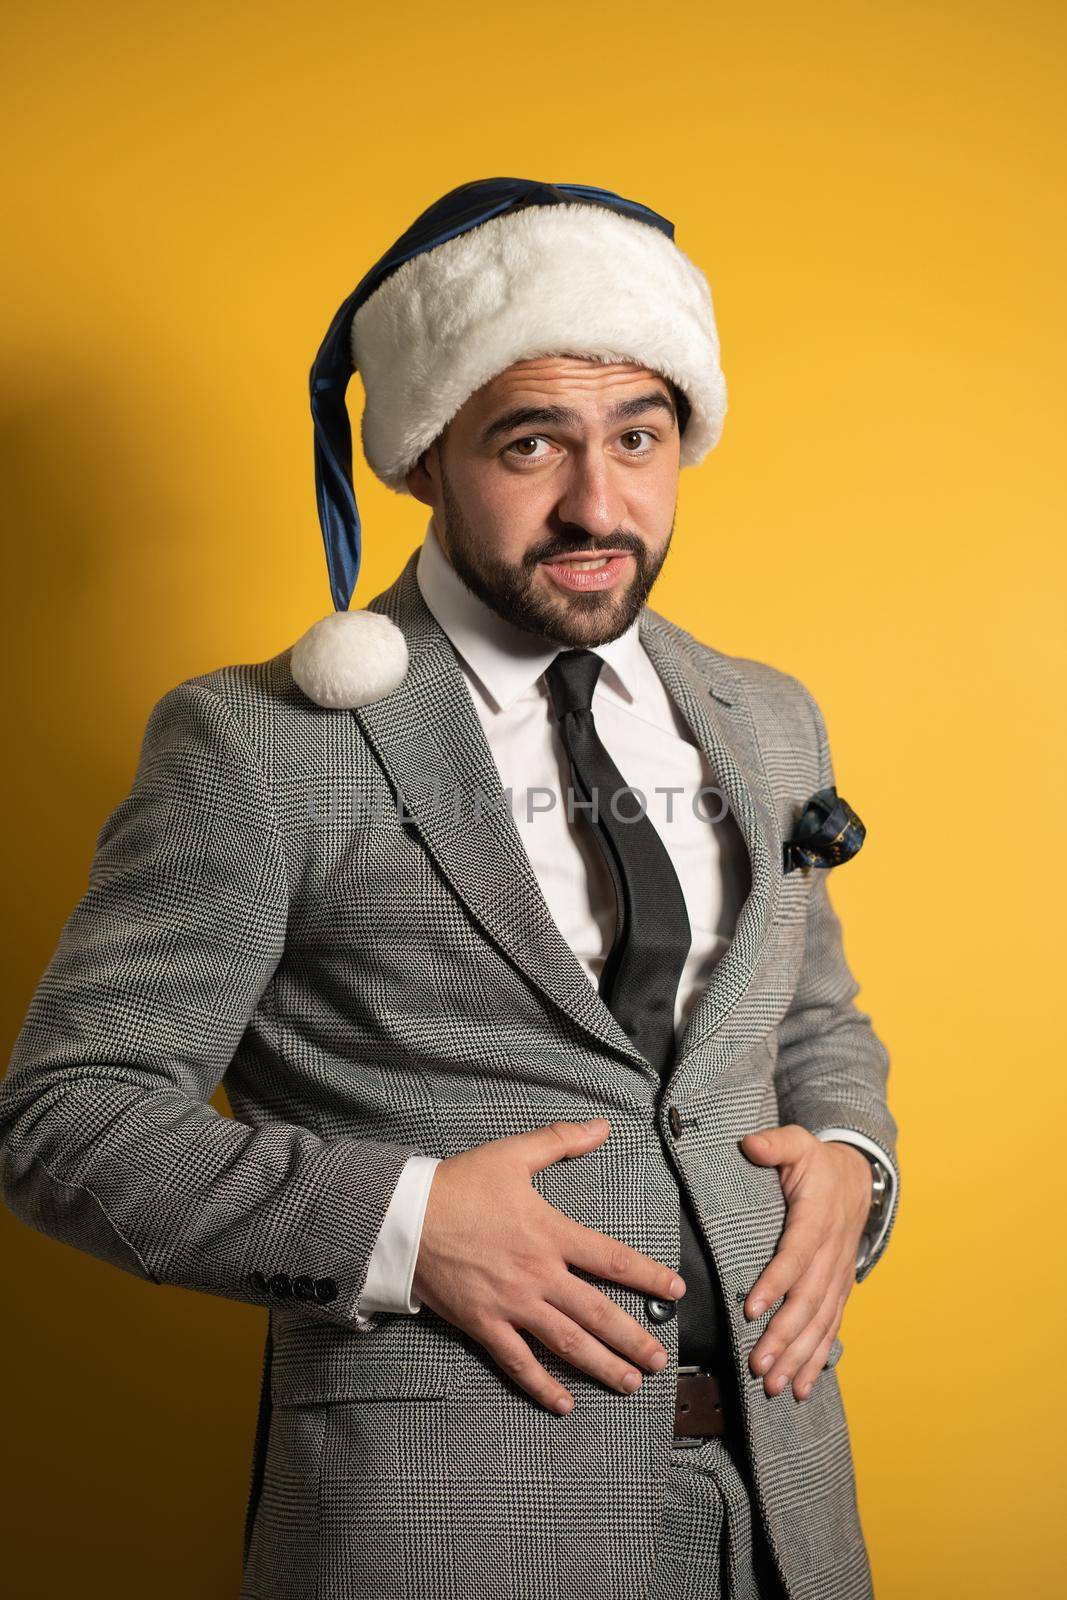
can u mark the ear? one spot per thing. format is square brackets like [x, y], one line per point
[420, 483]
[350, 658]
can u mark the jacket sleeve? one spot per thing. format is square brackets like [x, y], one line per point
[832, 1068]
[108, 1141]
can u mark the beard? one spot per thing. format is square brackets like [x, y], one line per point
[577, 620]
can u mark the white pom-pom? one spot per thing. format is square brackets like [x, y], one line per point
[349, 659]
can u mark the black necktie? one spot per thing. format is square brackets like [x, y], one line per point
[639, 980]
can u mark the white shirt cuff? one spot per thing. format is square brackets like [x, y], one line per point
[392, 1262]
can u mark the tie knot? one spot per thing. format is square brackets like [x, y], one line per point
[571, 679]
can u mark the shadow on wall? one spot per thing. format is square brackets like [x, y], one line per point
[124, 1392]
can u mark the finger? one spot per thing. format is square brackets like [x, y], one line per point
[801, 1240]
[539, 1147]
[803, 1303]
[807, 1374]
[769, 1146]
[584, 1304]
[818, 1335]
[571, 1341]
[610, 1258]
[517, 1361]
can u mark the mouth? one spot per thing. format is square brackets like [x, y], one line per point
[599, 569]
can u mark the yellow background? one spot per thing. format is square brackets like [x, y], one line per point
[876, 196]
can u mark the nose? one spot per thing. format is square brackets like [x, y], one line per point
[591, 498]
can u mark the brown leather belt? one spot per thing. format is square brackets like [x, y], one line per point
[698, 1410]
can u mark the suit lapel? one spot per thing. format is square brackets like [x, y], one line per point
[711, 698]
[432, 747]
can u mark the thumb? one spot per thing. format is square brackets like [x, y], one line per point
[772, 1146]
[762, 1146]
[541, 1146]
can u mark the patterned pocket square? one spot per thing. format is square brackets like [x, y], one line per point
[828, 832]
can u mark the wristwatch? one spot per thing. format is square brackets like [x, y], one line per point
[879, 1194]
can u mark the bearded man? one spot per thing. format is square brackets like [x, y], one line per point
[500, 909]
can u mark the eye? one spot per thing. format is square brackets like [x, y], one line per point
[518, 454]
[533, 438]
[635, 433]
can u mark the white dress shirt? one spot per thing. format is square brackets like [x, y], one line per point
[654, 749]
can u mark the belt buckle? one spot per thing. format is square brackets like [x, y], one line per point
[689, 1441]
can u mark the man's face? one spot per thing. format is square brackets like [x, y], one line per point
[559, 457]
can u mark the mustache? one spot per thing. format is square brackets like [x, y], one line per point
[586, 546]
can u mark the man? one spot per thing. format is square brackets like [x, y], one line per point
[558, 1140]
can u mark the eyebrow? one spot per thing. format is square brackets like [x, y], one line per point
[563, 416]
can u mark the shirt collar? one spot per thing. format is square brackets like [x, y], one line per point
[508, 660]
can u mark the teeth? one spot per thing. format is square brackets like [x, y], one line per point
[583, 564]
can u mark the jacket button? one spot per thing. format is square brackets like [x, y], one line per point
[661, 1310]
[674, 1121]
[280, 1285]
[325, 1289]
[304, 1288]
[258, 1282]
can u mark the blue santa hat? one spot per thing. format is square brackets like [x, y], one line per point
[497, 271]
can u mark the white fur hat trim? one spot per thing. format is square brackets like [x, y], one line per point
[545, 280]
[350, 658]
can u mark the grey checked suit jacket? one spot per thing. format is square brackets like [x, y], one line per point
[291, 901]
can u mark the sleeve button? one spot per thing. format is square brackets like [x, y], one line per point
[304, 1288]
[325, 1289]
[280, 1285]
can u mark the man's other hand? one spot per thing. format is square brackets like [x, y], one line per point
[828, 1188]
